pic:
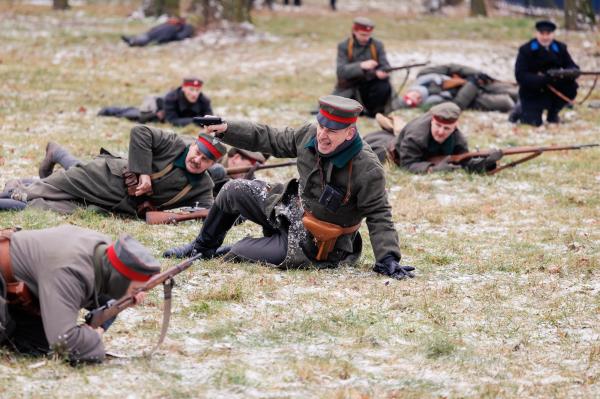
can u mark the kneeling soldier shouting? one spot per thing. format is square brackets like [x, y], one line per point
[316, 218]
[48, 275]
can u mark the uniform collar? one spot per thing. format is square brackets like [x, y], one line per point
[340, 160]
[445, 148]
[535, 45]
[192, 178]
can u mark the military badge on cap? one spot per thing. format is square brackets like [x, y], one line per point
[337, 112]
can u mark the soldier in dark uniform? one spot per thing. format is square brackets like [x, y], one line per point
[164, 171]
[235, 158]
[315, 219]
[175, 29]
[467, 87]
[436, 133]
[359, 59]
[47, 276]
[535, 58]
[178, 107]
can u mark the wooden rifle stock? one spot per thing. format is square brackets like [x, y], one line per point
[459, 158]
[158, 217]
[245, 169]
[98, 316]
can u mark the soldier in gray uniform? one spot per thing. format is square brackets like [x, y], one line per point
[164, 171]
[315, 219]
[436, 133]
[467, 87]
[47, 276]
[235, 158]
[359, 62]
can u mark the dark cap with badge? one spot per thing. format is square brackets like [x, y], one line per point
[210, 146]
[363, 24]
[545, 26]
[445, 113]
[337, 112]
[192, 82]
[132, 259]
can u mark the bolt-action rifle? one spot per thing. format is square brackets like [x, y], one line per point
[346, 83]
[192, 213]
[97, 317]
[531, 150]
[570, 73]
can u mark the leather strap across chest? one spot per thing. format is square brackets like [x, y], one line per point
[177, 197]
[350, 50]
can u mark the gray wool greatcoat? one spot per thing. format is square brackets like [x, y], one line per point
[368, 197]
[62, 278]
[100, 181]
[413, 144]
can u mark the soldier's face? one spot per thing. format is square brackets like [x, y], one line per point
[440, 131]
[191, 93]
[328, 139]
[236, 161]
[362, 36]
[544, 37]
[196, 162]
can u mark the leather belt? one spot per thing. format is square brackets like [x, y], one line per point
[325, 233]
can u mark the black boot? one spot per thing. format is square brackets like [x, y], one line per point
[215, 228]
[56, 154]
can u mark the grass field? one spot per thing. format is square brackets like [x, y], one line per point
[506, 302]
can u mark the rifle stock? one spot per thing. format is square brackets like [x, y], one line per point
[97, 317]
[458, 158]
[158, 217]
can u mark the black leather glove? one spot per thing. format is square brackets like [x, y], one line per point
[444, 166]
[389, 266]
[483, 164]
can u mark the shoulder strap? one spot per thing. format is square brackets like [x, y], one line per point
[350, 48]
[177, 197]
[374, 54]
[161, 173]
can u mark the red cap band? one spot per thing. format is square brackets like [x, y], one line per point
[444, 121]
[362, 28]
[123, 268]
[192, 83]
[211, 148]
[336, 118]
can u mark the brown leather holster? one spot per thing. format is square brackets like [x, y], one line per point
[142, 205]
[454, 82]
[325, 233]
[17, 292]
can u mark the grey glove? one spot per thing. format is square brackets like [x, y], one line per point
[217, 172]
[444, 166]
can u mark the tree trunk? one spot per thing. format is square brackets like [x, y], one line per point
[579, 13]
[478, 8]
[211, 12]
[157, 8]
[60, 4]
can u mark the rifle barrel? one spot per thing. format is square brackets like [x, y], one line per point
[512, 151]
[244, 169]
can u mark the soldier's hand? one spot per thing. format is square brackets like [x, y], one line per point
[139, 298]
[144, 186]
[368, 65]
[495, 155]
[381, 74]
[390, 267]
[217, 130]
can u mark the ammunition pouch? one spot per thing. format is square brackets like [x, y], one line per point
[325, 234]
[131, 181]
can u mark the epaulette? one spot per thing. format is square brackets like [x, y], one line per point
[535, 45]
[554, 47]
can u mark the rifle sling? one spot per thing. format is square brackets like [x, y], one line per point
[589, 92]
[560, 95]
[167, 291]
[161, 173]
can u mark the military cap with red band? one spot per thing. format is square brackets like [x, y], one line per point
[445, 113]
[132, 259]
[363, 24]
[210, 146]
[337, 112]
[192, 82]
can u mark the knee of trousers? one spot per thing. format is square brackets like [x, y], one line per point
[233, 191]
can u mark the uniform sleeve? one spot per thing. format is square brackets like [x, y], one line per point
[411, 155]
[568, 61]
[527, 79]
[466, 95]
[246, 135]
[347, 70]
[60, 298]
[381, 54]
[145, 143]
[372, 202]
[172, 111]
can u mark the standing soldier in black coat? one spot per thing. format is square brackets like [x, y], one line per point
[175, 29]
[178, 107]
[359, 62]
[537, 90]
[47, 276]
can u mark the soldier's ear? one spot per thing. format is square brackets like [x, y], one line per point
[351, 132]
